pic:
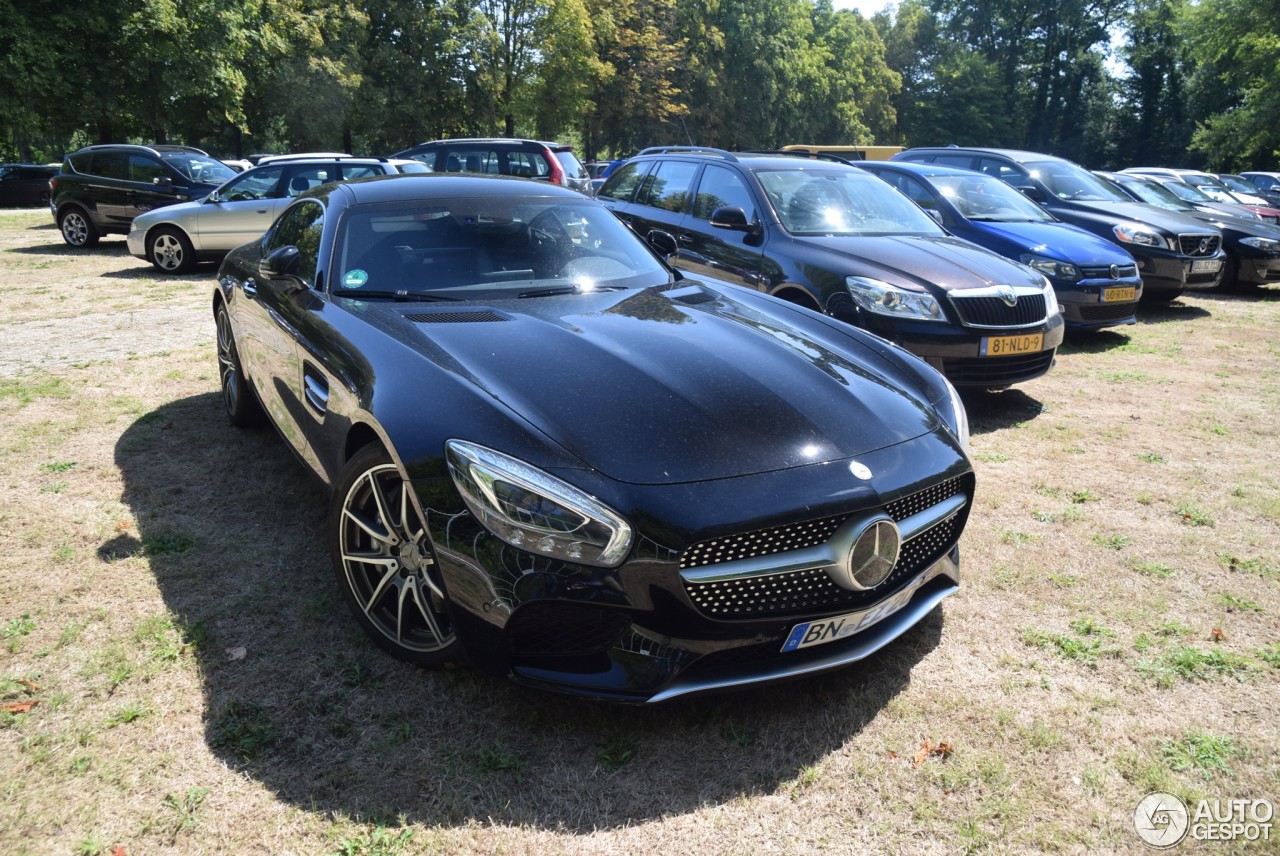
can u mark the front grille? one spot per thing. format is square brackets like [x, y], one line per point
[1104, 271]
[1199, 245]
[1106, 311]
[993, 372]
[562, 629]
[455, 317]
[809, 591]
[764, 542]
[994, 312]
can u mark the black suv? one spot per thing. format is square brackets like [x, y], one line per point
[102, 188]
[554, 162]
[822, 233]
[1174, 252]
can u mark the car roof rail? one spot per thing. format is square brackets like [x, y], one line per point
[687, 150]
[155, 150]
[305, 156]
[801, 153]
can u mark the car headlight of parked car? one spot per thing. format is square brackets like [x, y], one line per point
[1051, 268]
[535, 511]
[1267, 245]
[882, 298]
[1136, 233]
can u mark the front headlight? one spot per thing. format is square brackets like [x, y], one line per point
[885, 299]
[958, 418]
[1051, 268]
[535, 511]
[1051, 307]
[1267, 245]
[1135, 233]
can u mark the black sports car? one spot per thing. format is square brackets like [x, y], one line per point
[555, 456]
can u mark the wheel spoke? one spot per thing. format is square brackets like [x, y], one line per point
[380, 499]
[369, 527]
[427, 615]
[387, 579]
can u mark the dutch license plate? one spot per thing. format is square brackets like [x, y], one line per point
[1206, 265]
[843, 626]
[1119, 295]
[1004, 346]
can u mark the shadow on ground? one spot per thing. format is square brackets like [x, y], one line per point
[999, 409]
[232, 525]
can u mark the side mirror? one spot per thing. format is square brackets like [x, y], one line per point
[163, 181]
[663, 243]
[213, 197]
[281, 263]
[935, 214]
[1031, 192]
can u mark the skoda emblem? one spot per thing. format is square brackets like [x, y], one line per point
[862, 471]
[872, 556]
[1007, 295]
[1115, 271]
[1205, 243]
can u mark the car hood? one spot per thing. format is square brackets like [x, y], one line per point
[670, 386]
[1058, 241]
[933, 262]
[1170, 221]
[169, 213]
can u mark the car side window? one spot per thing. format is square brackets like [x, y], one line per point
[145, 169]
[622, 184]
[300, 179]
[668, 186]
[1003, 171]
[721, 188]
[262, 183]
[961, 161]
[300, 227]
[350, 171]
[110, 165]
[471, 160]
[915, 191]
[528, 164]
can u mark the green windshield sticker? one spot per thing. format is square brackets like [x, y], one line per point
[355, 278]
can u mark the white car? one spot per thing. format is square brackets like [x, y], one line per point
[174, 238]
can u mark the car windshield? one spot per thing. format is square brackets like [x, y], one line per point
[489, 248]
[1157, 194]
[984, 197]
[1217, 191]
[844, 202]
[199, 168]
[1185, 191]
[1236, 184]
[1065, 180]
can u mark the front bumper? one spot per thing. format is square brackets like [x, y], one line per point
[676, 620]
[1087, 304]
[1166, 271]
[1260, 271]
[137, 241]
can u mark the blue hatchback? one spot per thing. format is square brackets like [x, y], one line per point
[1097, 282]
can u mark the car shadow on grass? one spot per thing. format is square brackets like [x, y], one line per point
[1156, 312]
[299, 699]
[995, 410]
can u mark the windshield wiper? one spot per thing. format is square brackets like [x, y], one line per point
[568, 289]
[400, 296]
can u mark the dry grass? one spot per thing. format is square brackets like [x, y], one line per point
[1128, 508]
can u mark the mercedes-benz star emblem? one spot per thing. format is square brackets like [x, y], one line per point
[872, 556]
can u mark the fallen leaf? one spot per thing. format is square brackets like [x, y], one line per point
[1217, 635]
[236, 653]
[19, 706]
[119, 851]
[31, 685]
[943, 749]
[923, 752]
[893, 756]
[123, 525]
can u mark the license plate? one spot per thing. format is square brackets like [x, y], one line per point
[1003, 346]
[843, 626]
[1119, 295]
[1206, 265]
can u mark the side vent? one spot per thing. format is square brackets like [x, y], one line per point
[455, 317]
[691, 296]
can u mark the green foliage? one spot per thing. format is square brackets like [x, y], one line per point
[1201, 751]
[245, 729]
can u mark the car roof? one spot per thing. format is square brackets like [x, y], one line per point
[444, 185]
[795, 160]
[1019, 155]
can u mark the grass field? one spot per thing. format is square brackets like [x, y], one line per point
[179, 676]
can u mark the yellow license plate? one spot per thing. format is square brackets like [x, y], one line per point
[1007, 346]
[1119, 295]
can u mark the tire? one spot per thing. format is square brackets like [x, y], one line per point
[170, 250]
[77, 228]
[238, 397]
[385, 564]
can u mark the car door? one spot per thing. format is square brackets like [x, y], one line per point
[243, 209]
[144, 193]
[727, 254]
[269, 319]
[661, 203]
[109, 188]
[619, 190]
